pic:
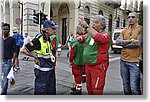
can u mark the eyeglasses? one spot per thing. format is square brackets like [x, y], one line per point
[131, 17]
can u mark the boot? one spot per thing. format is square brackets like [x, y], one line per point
[76, 92]
[73, 88]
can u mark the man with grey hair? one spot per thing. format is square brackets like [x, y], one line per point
[95, 55]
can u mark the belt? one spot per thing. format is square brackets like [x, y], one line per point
[41, 68]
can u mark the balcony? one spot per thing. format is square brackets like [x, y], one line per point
[113, 3]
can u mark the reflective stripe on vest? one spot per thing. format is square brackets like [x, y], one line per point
[47, 57]
[42, 69]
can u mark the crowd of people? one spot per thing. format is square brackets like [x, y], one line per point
[88, 51]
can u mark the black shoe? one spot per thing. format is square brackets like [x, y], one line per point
[76, 92]
[27, 58]
[73, 88]
[24, 58]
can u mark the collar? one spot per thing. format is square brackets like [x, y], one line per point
[44, 37]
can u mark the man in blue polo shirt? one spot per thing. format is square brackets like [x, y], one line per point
[45, 82]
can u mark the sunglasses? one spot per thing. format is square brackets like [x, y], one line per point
[131, 17]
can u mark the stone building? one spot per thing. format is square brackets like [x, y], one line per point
[66, 13]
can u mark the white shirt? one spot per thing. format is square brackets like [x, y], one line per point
[26, 40]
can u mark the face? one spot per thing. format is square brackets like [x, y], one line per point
[5, 30]
[55, 31]
[51, 31]
[132, 18]
[97, 25]
[71, 33]
[26, 34]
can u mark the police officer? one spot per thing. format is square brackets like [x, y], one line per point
[45, 82]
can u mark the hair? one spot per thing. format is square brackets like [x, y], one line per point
[80, 30]
[136, 14]
[101, 19]
[6, 24]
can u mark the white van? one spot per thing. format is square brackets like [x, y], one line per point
[115, 35]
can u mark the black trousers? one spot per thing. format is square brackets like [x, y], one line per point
[45, 82]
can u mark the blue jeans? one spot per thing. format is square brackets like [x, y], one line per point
[45, 82]
[130, 74]
[6, 66]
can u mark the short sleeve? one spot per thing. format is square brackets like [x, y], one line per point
[33, 45]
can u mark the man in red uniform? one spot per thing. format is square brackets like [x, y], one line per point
[95, 55]
[76, 61]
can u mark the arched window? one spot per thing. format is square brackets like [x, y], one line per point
[51, 13]
[87, 14]
[100, 12]
[118, 23]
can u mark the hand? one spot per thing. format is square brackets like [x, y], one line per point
[13, 65]
[70, 66]
[64, 46]
[79, 38]
[37, 61]
[83, 23]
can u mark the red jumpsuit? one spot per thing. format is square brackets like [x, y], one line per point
[76, 60]
[97, 60]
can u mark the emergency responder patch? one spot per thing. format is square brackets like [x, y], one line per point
[31, 44]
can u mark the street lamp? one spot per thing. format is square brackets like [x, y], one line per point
[21, 16]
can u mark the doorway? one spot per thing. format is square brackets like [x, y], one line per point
[64, 30]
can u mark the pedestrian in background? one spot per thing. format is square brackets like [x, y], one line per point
[95, 55]
[131, 40]
[69, 39]
[8, 56]
[45, 81]
[26, 39]
[76, 62]
[19, 43]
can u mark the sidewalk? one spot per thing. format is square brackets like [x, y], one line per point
[64, 79]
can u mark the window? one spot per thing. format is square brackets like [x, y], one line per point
[100, 12]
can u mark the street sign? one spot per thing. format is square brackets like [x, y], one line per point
[18, 21]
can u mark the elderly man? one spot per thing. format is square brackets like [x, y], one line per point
[131, 40]
[45, 82]
[95, 55]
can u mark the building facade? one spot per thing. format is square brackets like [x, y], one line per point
[66, 13]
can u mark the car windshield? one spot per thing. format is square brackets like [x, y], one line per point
[116, 35]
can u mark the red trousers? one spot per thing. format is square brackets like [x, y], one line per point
[95, 78]
[77, 71]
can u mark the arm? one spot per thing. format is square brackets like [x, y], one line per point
[71, 55]
[28, 53]
[129, 43]
[14, 53]
[102, 38]
[25, 51]
[122, 42]
[135, 43]
[31, 46]
[89, 30]
[66, 42]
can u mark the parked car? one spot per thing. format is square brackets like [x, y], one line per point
[114, 47]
